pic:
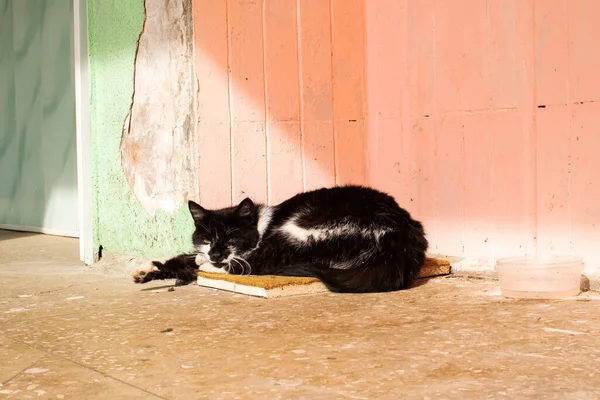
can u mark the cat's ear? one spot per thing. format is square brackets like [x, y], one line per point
[198, 213]
[245, 208]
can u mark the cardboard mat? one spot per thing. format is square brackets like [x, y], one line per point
[271, 286]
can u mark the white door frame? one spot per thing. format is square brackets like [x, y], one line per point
[82, 128]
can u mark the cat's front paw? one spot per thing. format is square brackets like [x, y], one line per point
[146, 273]
[201, 259]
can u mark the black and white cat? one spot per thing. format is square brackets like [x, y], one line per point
[354, 239]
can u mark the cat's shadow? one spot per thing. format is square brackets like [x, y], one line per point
[422, 281]
[415, 284]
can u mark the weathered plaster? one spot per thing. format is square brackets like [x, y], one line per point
[120, 223]
[158, 147]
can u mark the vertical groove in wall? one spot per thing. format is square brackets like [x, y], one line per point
[371, 134]
[570, 126]
[264, 99]
[436, 126]
[463, 190]
[533, 141]
[333, 129]
[301, 121]
[405, 115]
[229, 89]
[492, 163]
[364, 94]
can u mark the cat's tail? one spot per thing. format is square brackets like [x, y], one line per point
[401, 259]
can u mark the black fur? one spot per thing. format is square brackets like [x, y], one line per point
[182, 267]
[367, 242]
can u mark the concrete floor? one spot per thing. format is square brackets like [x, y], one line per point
[67, 332]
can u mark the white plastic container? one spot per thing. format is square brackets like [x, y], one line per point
[540, 278]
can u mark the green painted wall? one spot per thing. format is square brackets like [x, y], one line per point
[120, 224]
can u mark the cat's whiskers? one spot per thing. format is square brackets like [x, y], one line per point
[240, 260]
[240, 264]
[227, 267]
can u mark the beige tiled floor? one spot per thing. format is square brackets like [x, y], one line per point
[66, 332]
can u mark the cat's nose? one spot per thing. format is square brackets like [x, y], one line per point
[216, 255]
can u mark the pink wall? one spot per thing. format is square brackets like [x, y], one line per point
[480, 117]
[281, 97]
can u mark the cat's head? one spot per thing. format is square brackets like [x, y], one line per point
[223, 234]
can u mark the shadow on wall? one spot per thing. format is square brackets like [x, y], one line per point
[280, 97]
[37, 117]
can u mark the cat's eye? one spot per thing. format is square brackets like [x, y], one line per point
[205, 241]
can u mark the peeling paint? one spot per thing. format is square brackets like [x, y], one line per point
[158, 145]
